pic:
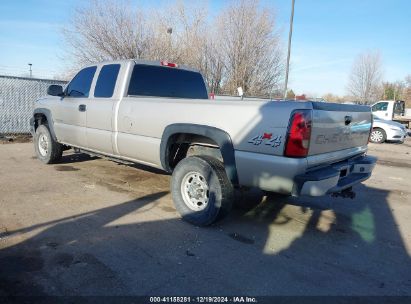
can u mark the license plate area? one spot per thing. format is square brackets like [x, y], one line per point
[344, 172]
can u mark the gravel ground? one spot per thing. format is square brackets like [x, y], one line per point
[88, 226]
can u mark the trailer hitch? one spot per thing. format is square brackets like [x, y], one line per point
[346, 193]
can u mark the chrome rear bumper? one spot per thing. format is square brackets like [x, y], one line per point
[334, 178]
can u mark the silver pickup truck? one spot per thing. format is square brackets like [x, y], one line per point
[159, 114]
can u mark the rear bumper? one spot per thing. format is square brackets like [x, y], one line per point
[334, 178]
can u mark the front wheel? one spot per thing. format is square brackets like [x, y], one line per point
[47, 149]
[378, 136]
[201, 190]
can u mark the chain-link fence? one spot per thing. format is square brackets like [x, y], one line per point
[17, 97]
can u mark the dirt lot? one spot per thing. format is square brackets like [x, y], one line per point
[89, 226]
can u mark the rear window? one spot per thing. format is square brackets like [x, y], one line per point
[148, 80]
[106, 81]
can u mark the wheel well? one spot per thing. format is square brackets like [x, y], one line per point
[182, 145]
[182, 140]
[381, 129]
[39, 119]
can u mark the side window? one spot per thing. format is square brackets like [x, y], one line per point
[381, 106]
[106, 81]
[399, 107]
[81, 83]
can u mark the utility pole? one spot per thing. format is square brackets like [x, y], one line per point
[290, 34]
[31, 72]
[169, 32]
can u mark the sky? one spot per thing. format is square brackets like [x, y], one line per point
[327, 37]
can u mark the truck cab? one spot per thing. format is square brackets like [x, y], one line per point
[393, 110]
[387, 109]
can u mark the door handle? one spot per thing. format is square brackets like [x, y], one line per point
[82, 108]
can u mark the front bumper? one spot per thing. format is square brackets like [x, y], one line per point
[334, 178]
[396, 135]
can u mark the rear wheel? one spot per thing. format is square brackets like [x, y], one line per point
[378, 136]
[47, 149]
[201, 190]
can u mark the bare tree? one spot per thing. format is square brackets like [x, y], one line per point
[251, 48]
[240, 48]
[365, 81]
[331, 97]
[192, 42]
[407, 91]
[213, 64]
[108, 30]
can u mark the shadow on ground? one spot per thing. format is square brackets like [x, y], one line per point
[283, 246]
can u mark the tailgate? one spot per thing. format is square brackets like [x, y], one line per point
[337, 127]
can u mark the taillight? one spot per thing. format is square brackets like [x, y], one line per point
[299, 133]
[169, 64]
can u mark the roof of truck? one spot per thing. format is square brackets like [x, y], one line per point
[145, 62]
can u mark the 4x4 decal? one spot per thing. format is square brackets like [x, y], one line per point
[267, 139]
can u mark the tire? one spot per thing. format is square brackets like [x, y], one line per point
[378, 136]
[47, 149]
[201, 190]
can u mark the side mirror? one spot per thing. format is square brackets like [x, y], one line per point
[55, 90]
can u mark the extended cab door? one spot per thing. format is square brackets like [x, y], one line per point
[70, 115]
[100, 110]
